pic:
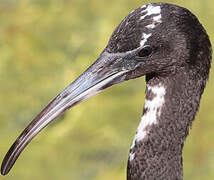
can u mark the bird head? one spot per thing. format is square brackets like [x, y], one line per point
[157, 39]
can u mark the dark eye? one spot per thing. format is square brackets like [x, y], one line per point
[145, 51]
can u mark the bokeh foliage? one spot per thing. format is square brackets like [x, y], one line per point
[46, 44]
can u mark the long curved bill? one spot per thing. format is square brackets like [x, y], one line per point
[99, 76]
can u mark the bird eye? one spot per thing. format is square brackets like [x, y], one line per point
[145, 51]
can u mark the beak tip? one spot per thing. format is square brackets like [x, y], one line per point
[4, 170]
[7, 164]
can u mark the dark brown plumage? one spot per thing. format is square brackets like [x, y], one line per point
[168, 45]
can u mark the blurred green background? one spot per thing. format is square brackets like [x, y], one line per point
[45, 45]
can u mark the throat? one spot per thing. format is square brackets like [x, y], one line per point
[170, 107]
[151, 112]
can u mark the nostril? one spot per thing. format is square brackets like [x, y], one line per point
[100, 69]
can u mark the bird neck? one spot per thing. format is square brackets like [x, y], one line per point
[170, 107]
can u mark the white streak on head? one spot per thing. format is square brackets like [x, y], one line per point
[153, 111]
[150, 9]
[143, 6]
[131, 156]
[157, 18]
[145, 38]
[150, 26]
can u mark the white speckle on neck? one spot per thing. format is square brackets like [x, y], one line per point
[153, 111]
[131, 156]
[150, 10]
[145, 38]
